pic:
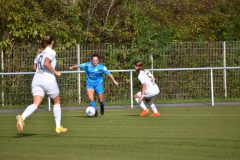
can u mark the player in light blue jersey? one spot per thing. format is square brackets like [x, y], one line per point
[94, 80]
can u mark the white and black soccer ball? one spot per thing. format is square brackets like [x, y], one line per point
[90, 111]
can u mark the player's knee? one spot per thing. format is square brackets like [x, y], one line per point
[137, 100]
[56, 100]
[91, 98]
[136, 96]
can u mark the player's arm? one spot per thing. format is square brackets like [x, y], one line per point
[106, 71]
[75, 67]
[47, 64]
[34, 66]
[144, 86]
[143, 91]
[114, 81]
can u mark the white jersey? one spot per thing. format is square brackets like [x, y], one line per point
[42, 74]
[147, 78]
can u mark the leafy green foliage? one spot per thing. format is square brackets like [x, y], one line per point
[28, 21]
[142, 23]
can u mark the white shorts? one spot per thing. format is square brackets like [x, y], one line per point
[147, 95]
[51, 89]
[148, 98]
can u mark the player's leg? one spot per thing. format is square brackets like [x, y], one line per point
[37, 100]
[90, 93]
[149, 101]
[101, 102]
[52, 91]
[142, 105]
[100, 92]
[57, 113]
[38, 95]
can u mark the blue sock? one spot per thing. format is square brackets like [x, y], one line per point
[93, 104]
[102, 105]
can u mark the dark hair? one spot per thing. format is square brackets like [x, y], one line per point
[47, 40]
[139, 64]
[95, 55]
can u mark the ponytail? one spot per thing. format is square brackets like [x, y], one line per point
[47, 40]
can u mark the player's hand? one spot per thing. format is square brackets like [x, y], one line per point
[57, 73]
[141, 98]
[116, 83]
[72, 68]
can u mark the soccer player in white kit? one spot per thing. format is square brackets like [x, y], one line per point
[149, 91]
[44, 82]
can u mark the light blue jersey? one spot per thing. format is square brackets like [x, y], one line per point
[94, 79]
[94, 74]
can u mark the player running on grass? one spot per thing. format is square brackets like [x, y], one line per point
[149, 91]
[94, 80]
[44, 81]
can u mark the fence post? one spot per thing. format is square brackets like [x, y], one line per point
[79, 75]
[2, 69]
[151, 58]
[131, 87]
[212, 89]
[224, 70]
[49, 104]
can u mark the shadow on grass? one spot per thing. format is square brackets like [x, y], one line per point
[132, 115]
[25, 135]
[22, 135]
[83, 116]
[88, 117]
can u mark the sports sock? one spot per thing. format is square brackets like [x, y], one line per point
[28, 111]
[93, 104]
[153, 107]
[102, 105]
[57, 114]
[141, 104]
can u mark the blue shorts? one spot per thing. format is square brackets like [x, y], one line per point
[98, 88]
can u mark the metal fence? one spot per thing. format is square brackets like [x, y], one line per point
[174, 85]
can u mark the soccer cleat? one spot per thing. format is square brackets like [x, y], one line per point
[96, 114]
[102, 111]
[61, 130]
[144, 113]
[156, 114]
[20, 123]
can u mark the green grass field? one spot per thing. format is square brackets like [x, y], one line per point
[198, 133]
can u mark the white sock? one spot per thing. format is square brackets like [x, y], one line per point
[141, 104]
[154, 109]
[29, 110]
[57, 114]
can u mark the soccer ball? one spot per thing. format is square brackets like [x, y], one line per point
[90, 111]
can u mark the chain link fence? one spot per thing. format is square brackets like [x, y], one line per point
[175, 86]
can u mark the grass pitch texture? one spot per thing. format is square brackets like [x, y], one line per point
[180, 133]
